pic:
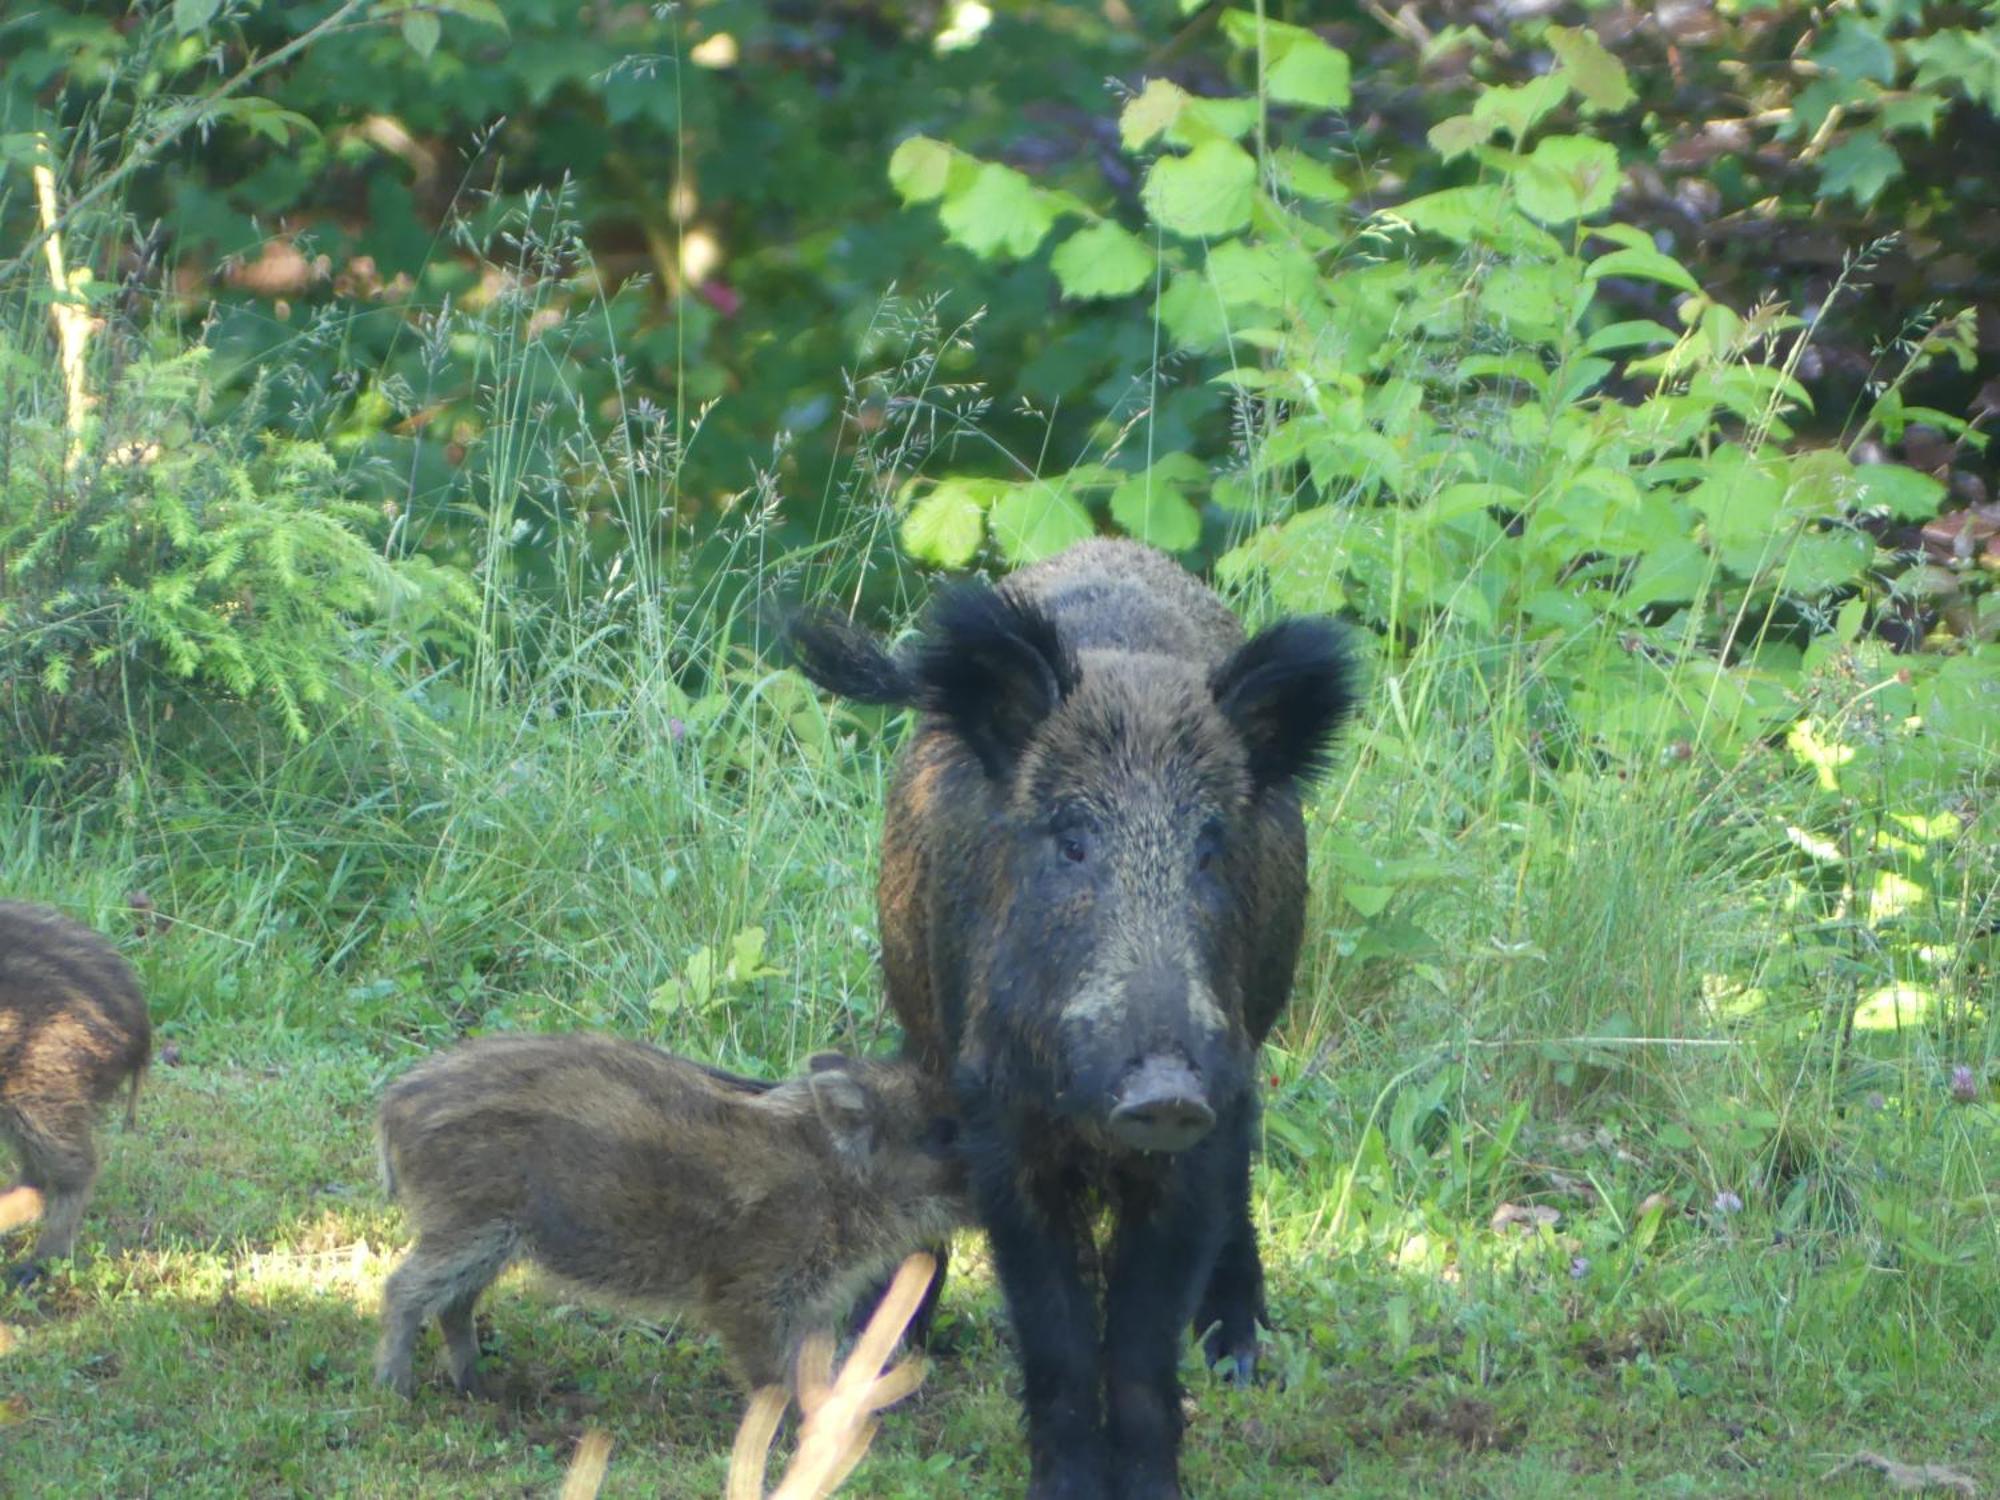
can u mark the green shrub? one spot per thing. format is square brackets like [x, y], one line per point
[175, 561]
[1593, 541]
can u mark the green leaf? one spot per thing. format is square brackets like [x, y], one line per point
[920, 169]
[1309, 73]
[1967, 60]
[1157, 106]
[1517, 107]
[1206, 193]
[1908, 494]
[1567, 177]
[193, 15]
[1645, 265]
[1821, 561]
[1857, 49]
[1860, 166]
[1102, 260]
[1300, 174]
[1453, 137]
[1034, 521]
[421, 29]
[1299, 66]
[1001, 210]
[1152, 507]
[1627, 335]
[1598, 77]
[946, 526]
[1458, 214]
[1677, 572]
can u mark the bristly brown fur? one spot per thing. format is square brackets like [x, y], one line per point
[649, 1180]
[73, 1028]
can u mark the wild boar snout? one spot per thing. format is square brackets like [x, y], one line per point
[1161, 1106]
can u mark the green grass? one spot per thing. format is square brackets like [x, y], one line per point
[1623, 988]
[215, 1339]
[1523, 987]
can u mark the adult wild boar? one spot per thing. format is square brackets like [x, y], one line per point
[651, 1180]
[73, 1028]
[1092, 895]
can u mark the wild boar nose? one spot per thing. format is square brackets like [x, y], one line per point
[1160, 1107]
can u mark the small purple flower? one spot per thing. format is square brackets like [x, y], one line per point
[1727, 1202]
[1875, 1101]
[677, 730]
[1579, 1267]
[1964, 1086]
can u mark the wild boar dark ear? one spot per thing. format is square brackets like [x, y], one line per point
[844, 659]
[1287, 690]
[993, 667]
[843, 1107]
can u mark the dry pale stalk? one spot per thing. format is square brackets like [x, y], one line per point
[586, 1470]
[73, 325]
[839, 1421]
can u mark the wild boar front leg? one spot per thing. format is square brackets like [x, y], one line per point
[1163, 1251]
[1035, 1251]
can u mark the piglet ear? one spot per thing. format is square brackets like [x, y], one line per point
[1287, 690]
[994, 668]
[844, 1109]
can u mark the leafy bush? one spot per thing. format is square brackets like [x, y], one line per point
[1600, 537]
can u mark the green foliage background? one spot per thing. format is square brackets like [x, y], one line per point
[470, 382]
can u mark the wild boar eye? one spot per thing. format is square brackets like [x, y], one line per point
[1072, 847]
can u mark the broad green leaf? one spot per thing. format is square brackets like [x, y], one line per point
[1567, 177]
[192, 15]
[1034, 521]
[420, 30]
[1823, 560]
[1857, 49]
[946, 526]
[1157, 106]
[1598, 77]
[1299, 66]
[1677, 572]
[920, 169]
[1532, 300]
[1102, 260]
[1309, 73]
[1517, 107]
[1156, 512]
[1308, 178]
[1740, 499]
[1646, 265]
[1205, 194]
[1452, 138]
[1459, 214]
[1000, 211]
[1860, 166]
[1270, 276]
[1201, 119]
[1966, 60]
[1909, 494]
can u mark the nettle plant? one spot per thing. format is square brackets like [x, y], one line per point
[1449, 423]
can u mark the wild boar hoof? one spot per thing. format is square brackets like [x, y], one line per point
[26, 1274]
